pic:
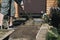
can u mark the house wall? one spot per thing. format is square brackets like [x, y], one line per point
[16, 9]
[0, 1]
[50, 3]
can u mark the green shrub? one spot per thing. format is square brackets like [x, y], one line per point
[52, 34]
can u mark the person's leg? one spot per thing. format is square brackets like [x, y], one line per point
[1, 20]
[4, 9]
[12, 14]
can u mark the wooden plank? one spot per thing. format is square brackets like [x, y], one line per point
[6, 34]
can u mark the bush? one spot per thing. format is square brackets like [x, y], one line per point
[52, 34]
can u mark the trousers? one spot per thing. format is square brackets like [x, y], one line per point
[7, 7]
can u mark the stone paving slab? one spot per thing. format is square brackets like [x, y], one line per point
[25, 32]
[41, 35]
[30, 33]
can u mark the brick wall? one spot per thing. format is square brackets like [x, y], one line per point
[16, 9]
[50, 3]
[0, 1]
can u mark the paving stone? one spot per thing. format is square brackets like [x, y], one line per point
[25, 32]
[41, 35]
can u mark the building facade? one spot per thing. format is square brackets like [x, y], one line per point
[39, 5]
